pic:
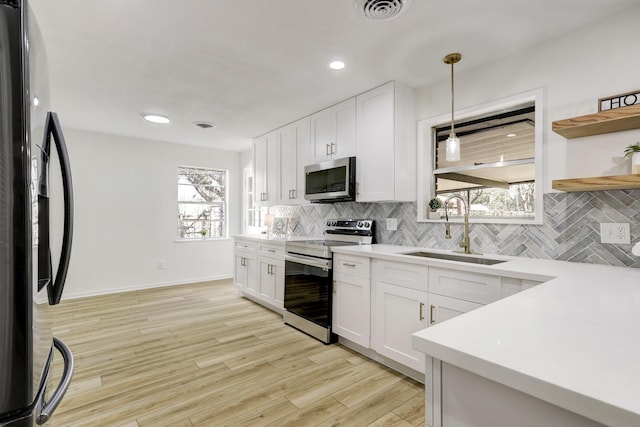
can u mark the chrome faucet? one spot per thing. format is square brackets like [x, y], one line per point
[465, 244]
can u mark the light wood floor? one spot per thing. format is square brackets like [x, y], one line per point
[202, 355]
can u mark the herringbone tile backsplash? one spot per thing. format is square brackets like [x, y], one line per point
[571, 229]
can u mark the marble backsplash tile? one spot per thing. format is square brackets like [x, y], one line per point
[571, 229]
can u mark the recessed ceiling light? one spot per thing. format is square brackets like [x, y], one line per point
[511, 135]
[36, 101]
[336, 65]
[156, 118]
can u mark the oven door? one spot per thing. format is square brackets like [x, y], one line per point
[308, 288]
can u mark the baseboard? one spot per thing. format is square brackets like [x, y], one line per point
[93, 293]
[372, 354]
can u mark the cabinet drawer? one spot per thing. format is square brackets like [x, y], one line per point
[246, 245]
[352, 265]
[474, 287]
[408, 275]
[274, 251]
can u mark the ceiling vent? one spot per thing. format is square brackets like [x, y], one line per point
[204, 125]
[381, 10]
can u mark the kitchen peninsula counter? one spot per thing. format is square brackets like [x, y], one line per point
[571, 341]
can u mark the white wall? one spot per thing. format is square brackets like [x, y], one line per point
[574, 71]
[125, 215]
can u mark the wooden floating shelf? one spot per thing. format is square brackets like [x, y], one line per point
[615, 120]
[599, 183]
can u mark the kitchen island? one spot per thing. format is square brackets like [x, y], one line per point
[562, 353]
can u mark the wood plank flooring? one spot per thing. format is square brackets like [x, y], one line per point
[201, 355]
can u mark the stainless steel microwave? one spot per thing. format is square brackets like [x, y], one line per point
[331, 181]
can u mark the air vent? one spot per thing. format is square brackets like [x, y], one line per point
[381, 10]
[204, 125]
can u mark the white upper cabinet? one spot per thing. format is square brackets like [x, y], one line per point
[294, 156]
[265, 169]
[386, 144]
[333, 132]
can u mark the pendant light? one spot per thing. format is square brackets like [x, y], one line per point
[453, 142]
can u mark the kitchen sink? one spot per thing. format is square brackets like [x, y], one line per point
[452, 257]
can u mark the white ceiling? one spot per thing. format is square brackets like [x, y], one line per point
[250, 66]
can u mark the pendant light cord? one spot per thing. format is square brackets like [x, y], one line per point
[453, 132]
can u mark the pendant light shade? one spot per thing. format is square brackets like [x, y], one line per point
[453, 142]
[453, 148]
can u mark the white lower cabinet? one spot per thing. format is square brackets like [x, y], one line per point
[271, 274]
[352, 299]
[271, 283]
[400, 303]
[398, 312]
[443, 308]
[259, 271]
[245, 273]
[245, 276]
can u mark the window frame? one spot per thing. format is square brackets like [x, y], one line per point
[426, 155]
[224, 204]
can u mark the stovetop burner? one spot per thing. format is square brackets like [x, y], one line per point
[338, 232]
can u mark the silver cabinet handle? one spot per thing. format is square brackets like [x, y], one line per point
[421, 316]
[328, 149]
[332, 148]
[348, 264]
[431, 319]
[271, 250]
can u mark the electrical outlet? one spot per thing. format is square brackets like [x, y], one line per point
[160, 265]
[616, 233]
[392, 224]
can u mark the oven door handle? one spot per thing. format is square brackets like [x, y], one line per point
[314, 262]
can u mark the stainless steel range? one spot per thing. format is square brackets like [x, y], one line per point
[308, 285]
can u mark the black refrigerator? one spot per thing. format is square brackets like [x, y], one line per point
[31, 148]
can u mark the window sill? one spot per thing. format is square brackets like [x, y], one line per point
[208, 239]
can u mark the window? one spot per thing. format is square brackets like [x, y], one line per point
[202, 203]
[499, 171]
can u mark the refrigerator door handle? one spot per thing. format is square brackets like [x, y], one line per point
[50, 406]
[53, 129]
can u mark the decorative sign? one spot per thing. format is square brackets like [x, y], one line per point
[619, 101]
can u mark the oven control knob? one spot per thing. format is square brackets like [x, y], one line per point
[328, 223]
[367, 224]
[360, 225]
[334, 223]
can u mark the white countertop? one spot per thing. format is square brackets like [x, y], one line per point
[573, 341]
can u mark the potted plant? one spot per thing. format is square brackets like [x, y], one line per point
[633, 151]
[434, 205]
[203, 233]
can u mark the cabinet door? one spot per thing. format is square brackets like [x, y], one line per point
[352, 308]
[252, 276]
[240, 272]
[278, 277]
[375, 132]
[265, 169]
[267, 281]
[245, 274]
[398, 313]
[260, 170]
[293, 156]
[322, 135]
[333, 132]
[345, 129]
[443, 308]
